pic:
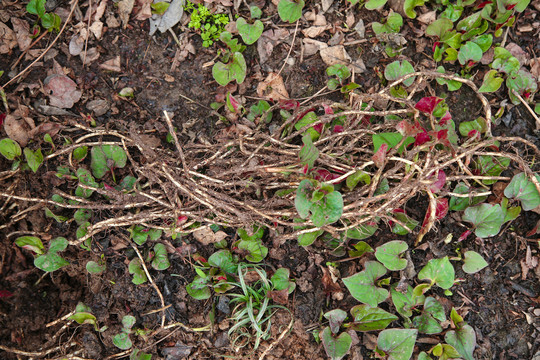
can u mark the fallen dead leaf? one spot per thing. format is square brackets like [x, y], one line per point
[112, 65]
[279, 296]
[145, 10]
[100, 10]
[349, 21]
[125, 7]
[311, 47]
[17, 129]
[314, 31]
[428, 17]
[268, 40]
[170, 18]
[22, 32]
[50, 128]
[519, 53]
[97, 29]
[62, 91]
[273, 88]
[76, 45]
[98, 106]
[335, 55]
[8, 40]
[535, 68]
[206, 236]
[326, 5]
[530, 262]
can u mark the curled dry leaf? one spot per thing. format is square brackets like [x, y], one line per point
[45, 128]
[206, 236]
[17, 129]
[62, 91]
[98, 106]
[22, 32]
[268, 40]
[76, 45]
[519, 53]
[145, 11]
[335, 55]
[97, 29]
[273, 88]
[125, 7]
[170, 18]
[311, 47]
[112, 65]
[8, 40]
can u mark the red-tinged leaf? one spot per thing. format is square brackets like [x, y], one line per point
[435, 45]
[234, 104]
[511, 6]
[182, 219]
[526, 95]
[221, 278]
[5, 294]
[421, 138]
[305, 169]
[199, 258]
[338, 129]
[445, 119]
[398, 211]
[318, 127]
[465, 235]
[439, 184]
[428, 104]
[441, 209]
[324, 175]
[2, 118]
[405, 128]
[442, 134]
[483, 4]
[380, 156]
[107, 187]
[288, 104]
[473, 134]
[328, 110]
[470, 63]
[279, 296]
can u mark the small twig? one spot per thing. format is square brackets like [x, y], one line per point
[176, 142]
[163, 307]
[528, 107]
[290, 49]
[28, 48]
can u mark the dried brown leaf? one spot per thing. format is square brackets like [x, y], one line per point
[17, 129]
[125, 7]
[335, 55]
[273, 88]
[112, 65]
[62, 91]
[8, 40]
[22, 32]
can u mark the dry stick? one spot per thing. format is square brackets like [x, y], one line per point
[74, 4]
[35, 353]
[90, 15]
[290, 49]
[28, 48]
[176, 142]
[151, 280]
[528, 107]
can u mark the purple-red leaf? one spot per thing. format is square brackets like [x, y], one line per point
[380, 156]
[428, 104]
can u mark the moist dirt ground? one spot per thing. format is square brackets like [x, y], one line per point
[501, 302]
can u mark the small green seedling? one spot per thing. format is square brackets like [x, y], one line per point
[83, 315]
[161, 259]
[250, 33]
[140, 234]
[135, 268]
[213, 274]
[397, 344]
[139, 355]
[319, 202]
[389, 255]
[106, 158]
[252, 244]
[290, 10]
[210, 25]
[50, 21]
[33, 158]
[233, 64]
[98, 267]
[336, 346]
[47, 261]
[122, 340]
[339, 73]
[363, 286]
